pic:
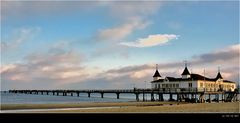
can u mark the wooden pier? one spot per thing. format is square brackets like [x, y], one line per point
[187, 95]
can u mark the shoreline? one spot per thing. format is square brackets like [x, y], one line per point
[83, 105]
[123, 107]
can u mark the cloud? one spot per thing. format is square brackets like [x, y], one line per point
[133, 15]
[122, 31]
[27, 9]
[65, 70]
[221, 56]
[119, 9]
[229, 57]
[19, 37]
[151, 40]
[125, 9]
[56, 68]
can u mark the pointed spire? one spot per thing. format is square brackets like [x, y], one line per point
[156, 73]
[219, 76]
[185, 71]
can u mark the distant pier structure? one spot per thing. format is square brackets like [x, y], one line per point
[189, 88]
[201, 85]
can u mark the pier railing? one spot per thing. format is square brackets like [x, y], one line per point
[180, 92]
[135, 90]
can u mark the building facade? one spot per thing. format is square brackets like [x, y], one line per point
[194, 82]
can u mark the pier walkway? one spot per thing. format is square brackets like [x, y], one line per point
[187, 94]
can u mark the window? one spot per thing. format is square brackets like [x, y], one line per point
[163, 85]
[189, 85]
[201, 84]
[166, 85]
[158, 85]
[228, 86]
[173, 85]
[177, 85]
[170, 85]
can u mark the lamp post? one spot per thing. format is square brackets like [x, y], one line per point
[146, 88]
[145, 84]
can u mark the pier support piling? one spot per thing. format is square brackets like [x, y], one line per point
[143, 96]
[171, 97]
[201, 98]
[209, 98]
[152, 97]
[102, 95]
[118, 95]
[137, 96]
[89, 94]
[178, 98]
[160, 97]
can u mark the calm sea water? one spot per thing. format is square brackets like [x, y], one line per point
[12, 98]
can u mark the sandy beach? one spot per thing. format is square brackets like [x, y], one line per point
[125, 107]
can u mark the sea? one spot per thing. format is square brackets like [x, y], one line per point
[17, 98]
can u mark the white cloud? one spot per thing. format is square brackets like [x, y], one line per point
[220, 56]
[57, 68]
[7, 67]
[63, 70]
[151, 40]
[18, 37]
[141, 74]
[209, 61]
[122, 31]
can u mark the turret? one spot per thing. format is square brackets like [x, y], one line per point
[219, 76]
[186, 74]
[156, 75]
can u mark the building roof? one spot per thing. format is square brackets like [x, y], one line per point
[228, 81]
[156, 74]
[159, 80]
[185, 72]
[193, 77]
[219, 76]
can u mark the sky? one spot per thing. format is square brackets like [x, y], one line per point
[115, 44]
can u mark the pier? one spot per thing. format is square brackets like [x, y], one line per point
[186, 95]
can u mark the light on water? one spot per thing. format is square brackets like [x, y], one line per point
[16, 98]
[13, 98]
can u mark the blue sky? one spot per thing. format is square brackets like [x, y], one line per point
[78, 38]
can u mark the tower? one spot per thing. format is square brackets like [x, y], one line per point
[185, 74]
[156, 75]
[219, 76]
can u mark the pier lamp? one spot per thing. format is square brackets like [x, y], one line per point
[146, 88]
